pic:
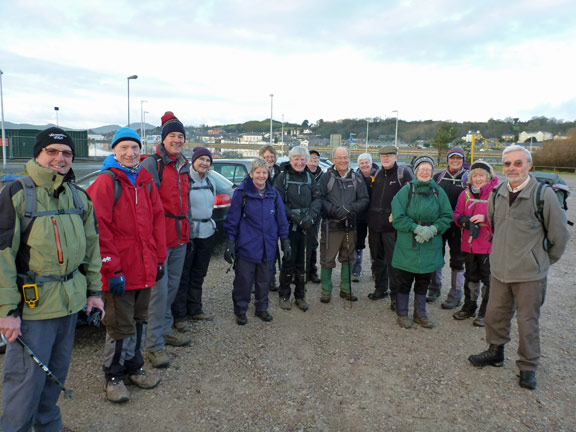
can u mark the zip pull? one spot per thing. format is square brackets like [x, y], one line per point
[136, 191]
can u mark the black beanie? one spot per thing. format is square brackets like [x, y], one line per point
[52, 135]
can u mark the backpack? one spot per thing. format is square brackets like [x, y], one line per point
[411, 193]
[545, 180]
[31, 200]
[332, 181]
[117, 187]
[244, 202]
[288, 182]
[208, 186]
[453, 180]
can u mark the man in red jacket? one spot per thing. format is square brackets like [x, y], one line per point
[171, 173]
[133, 249]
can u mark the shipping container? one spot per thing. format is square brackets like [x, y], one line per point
[21, 142]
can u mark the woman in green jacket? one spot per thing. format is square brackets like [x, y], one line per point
[421, 212]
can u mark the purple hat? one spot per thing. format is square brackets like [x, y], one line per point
[201, 151]
[456, 151]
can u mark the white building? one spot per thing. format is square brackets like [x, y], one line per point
[538, 136]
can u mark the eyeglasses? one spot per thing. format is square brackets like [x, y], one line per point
[54, 152]
[516, 163]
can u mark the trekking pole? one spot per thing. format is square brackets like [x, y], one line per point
[67, 393]
[305, 256]
[348, 253]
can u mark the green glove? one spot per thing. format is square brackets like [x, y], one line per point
[418, 230]
[428, 232]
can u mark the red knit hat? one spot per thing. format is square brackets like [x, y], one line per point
[170, 123]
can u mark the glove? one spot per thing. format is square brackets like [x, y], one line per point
[428, 232]
[342, 213]
[418, 230]
[474, 230]
[464, 221]
[287, 249]
[229, 253]
[117, 285]
[307, 222]
[295, 217]
[419, 238]
[160, 272]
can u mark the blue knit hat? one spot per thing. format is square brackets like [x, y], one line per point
[170, 123]
[126, 134]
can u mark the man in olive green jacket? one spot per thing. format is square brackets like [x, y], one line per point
[59, 255]
[523, 248]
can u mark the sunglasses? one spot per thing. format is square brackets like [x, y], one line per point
[517, 163]
[54, 152]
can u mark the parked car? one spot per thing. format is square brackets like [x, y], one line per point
[234, 170]
[223, 188]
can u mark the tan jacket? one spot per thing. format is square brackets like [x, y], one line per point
[518, 253]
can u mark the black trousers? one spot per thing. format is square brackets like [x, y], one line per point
[295, 265]
[382, 250]
[188, 299]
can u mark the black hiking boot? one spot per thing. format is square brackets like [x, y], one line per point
[493, 356]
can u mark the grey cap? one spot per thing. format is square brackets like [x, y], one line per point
[422, 159]
[388, 150]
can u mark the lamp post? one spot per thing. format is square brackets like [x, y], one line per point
[57, 109]
[271, 114]
[396, 134]
[2, 109]
[144, 138]
[128, 79]
[282, 136]
[367, 123]
[142, 117]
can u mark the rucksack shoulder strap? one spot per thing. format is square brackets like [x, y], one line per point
[117, 187]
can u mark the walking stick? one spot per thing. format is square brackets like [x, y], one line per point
[348, 253]
[67, 393]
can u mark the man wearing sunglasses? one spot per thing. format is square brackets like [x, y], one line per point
[49, 271]
[519, 263]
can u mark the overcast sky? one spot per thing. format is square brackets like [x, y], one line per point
[216, 61]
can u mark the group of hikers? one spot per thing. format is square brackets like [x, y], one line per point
[136, 246]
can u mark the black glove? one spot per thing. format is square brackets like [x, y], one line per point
[342, 213]
[295, 217]
[117, 285]
[307, 222]
[229, 253]
[464, 221]
[474, 230]
[287, 249]
[160, 272]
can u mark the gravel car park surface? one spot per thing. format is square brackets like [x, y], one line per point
[339, 367]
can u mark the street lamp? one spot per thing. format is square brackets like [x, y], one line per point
[144, 138]
[282, 136]
[57, 109]
[128, 79]
[142, 117]
[2, 109]
[396, 134]
[367, 123]
[271, 113]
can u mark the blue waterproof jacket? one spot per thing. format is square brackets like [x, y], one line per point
[256, 227]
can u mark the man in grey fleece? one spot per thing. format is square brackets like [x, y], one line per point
[523, 249]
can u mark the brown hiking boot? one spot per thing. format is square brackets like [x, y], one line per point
[158, 359]
[423, 322]
[143, 380]
[348, 296]
[116, 391]
[177, 339]
[301, 304]
[404, 321]
[182, 326]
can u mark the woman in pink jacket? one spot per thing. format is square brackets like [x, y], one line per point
[471, 215]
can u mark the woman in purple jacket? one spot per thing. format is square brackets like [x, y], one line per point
[471, 215]
[254, 223]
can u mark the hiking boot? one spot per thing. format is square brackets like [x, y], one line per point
[301, 304]
[314, 278]
[182, 326]
[423, 322]
[284, 303]
[158, 359]
[450, 304]
[377, 295]
[527, 380]
[493, 356]
[355, 277]
[432, 298]
[241, 319]
[464, 313]
[325, 297]
[263, 315]
[404, 321]
[177, 339]
[143, 380]
[116, 391]
[478, 321]
[348, 296]
[202, 316]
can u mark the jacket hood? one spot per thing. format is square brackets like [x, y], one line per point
[111, 162]
[46, 177]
